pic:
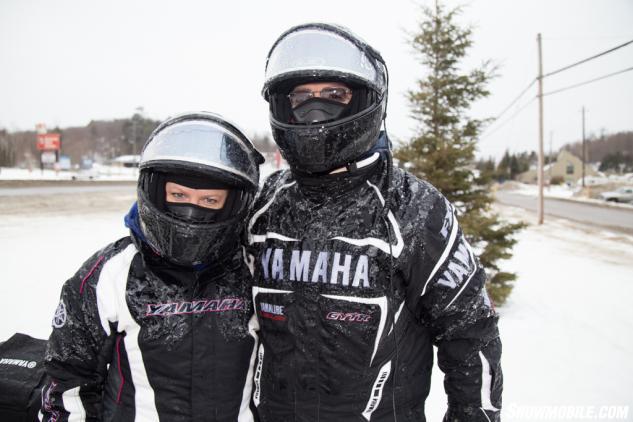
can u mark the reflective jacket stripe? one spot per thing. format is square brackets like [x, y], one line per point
[112, 303]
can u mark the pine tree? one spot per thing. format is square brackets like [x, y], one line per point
[7, 150]
[443, 151]
[515, 167]
[503, 169]
[136, 130]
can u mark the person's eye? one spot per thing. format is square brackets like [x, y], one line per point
[210, 201]
[178, 195]
[336, 94]
[333, 93]
[299, 97]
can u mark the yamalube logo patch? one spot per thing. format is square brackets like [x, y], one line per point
[59, 320]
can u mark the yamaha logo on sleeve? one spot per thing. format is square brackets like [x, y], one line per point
[30, 364]
[59, 320]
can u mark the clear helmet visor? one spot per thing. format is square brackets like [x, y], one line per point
[319, 51]
[202, 144]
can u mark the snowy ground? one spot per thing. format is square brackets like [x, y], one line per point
[567, 329]
[568, 326]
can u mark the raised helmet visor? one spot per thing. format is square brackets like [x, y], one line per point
[322, 50]
[206, 143]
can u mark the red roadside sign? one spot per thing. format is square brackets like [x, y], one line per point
[48, 141]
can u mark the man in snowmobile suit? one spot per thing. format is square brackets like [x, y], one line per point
[360, 268]
[159, 325]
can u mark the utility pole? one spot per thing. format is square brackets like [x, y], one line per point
[133, 140]
[540, 131]
[584, 148]
[136, 117]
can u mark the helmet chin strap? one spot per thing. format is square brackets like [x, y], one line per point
[356, 165]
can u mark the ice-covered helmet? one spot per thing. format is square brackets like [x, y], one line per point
[318, 52]
[202, 151]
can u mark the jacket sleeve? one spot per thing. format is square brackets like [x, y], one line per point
[76, 355]
[451, 299]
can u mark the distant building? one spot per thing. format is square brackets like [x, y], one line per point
[567, 166]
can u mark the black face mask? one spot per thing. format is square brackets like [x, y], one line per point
[316, 110]
[193, 213]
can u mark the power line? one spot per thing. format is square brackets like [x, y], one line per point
[587, 38]
[508, 120]
[588, 82]
[617, 47]
[517, 98]
[514, 101]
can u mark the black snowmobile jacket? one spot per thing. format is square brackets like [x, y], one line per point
[350, 300]
[137, 339]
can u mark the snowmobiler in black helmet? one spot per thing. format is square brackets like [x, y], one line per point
[319, 130]
[158, 325]
[198, 151]
[360, 268]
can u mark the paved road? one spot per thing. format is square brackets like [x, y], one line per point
[45, 198]
[612, 217]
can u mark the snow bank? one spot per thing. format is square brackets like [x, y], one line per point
[554, 191]
[97, 173]
[7, 173]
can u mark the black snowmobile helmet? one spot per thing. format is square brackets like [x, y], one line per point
[322, 52]
[200, 150]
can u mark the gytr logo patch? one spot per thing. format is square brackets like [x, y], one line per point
[59, 319]
[195, 307]
[270, 311]
[348, 316]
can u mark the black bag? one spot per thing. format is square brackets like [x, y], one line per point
[21, 378]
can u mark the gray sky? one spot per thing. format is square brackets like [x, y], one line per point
[66, 62]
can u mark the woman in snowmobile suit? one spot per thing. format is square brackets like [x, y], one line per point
[359, 267]
[158, 325]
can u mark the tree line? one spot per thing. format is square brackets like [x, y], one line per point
[613, 153]
[99, 140]
[509, 167]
